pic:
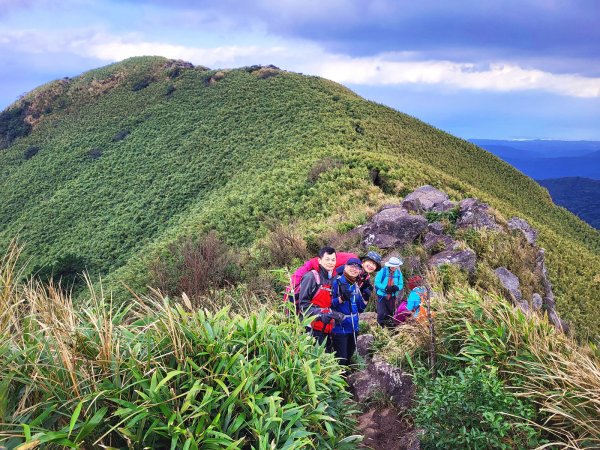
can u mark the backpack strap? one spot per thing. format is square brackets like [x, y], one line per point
[317, 276]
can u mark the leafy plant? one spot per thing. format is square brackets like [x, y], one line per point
[472, 409]
[158, 374]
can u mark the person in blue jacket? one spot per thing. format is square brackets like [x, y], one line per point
[388, 286]
[347, 299]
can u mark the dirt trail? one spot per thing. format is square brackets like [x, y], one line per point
[384, 429]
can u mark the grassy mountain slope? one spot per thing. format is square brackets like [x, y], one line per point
[120, 161]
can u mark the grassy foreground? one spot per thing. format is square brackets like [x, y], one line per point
[157, 374]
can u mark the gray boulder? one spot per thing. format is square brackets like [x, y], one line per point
[510, 282]
[436, 228]
[548, 299]
[412, 264]
[530, 234]
[436, 243]
[424, 198]
[369, 318]
[390, 206]
[364, 345]
[381, 377]
[475, 214]
[465, 259]
[537, 302]
[446, 205]
[393, 227]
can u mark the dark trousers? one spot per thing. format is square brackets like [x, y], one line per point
[385, 311]
[321, 337]
[344, 347]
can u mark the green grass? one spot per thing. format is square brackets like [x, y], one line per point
[232, 152]
[160, 374]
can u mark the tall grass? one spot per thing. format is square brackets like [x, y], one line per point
[537, 361]
[155, 373]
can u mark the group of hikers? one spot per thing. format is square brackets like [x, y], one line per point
[334, 288]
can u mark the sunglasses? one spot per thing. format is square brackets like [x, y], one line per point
[354, 266]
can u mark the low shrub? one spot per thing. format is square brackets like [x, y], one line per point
[13, 125]
[472, 409]
[120, 135]
[30, 152]
[94, 153]
[534, 359]
[322, 166]
[284, 244]
[195, 265]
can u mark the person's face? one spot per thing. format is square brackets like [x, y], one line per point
[369, 266]
[328, 261]
[353, 270]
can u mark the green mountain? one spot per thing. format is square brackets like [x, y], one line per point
[105, 170]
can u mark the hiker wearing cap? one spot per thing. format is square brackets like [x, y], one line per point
[388, 286]
[315, 297]
[348, 301]
[371, 263]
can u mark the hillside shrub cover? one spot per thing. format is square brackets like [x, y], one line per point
[233, 153]
[155, 374]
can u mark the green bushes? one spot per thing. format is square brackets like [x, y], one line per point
[195, 265]
[472, 409]
[156, 375]
[13, 125]
[533, 360]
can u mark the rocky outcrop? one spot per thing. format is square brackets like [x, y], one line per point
[511, 284]
[424, 198]
[446, 205]
[548, 300]
[381, 378]
[521, 225]
[465, 259]
[393, 228]
[475, 214]
[435, 243]
[369, 318]
[537, 302]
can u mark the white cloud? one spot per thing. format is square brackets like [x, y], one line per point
[384, 70]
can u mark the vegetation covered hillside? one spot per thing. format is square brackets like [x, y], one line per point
[106, 170]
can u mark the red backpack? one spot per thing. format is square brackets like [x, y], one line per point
[293, 289]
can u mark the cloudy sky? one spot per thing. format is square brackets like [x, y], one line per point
[502, 69]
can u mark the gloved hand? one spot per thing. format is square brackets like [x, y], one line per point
[331, 315]
[391, 289]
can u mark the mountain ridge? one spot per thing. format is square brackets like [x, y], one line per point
[134, 155]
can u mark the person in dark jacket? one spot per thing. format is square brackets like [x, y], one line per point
[371, 263]
[315, 297]
[347, 300]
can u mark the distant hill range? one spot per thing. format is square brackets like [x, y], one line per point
[570, 170]
[579, 195]
[548, 159]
